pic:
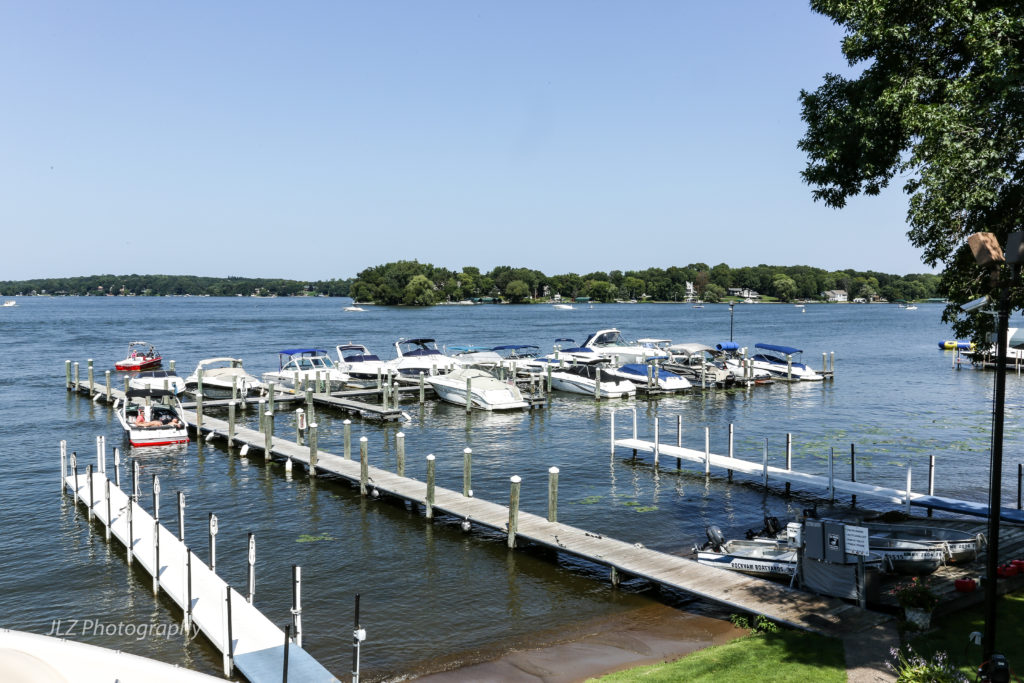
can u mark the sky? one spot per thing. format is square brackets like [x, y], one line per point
[311, 140]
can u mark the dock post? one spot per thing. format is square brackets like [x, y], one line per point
[78, 384]
[199, 380]
[92, 384]
[199, 414]
[347, 434]
[181, 516]
[268, 434]
[234, 387]
[106, 496]
[63, 465]
[613, 576]
[213, 542]
[313, 448]
[252, 566]
[548, 368]
[101, 454]
[657, 444]
[764, 465]
[824, 364]
[634, 426]
[513, 510]
[467, 472]
[831, 475]
[597, 385]
[931, 479]
[358, 636]
[270, 396]
[231, 423]
[707, 451]
[187, 625]
[135, 480]
[469, 395]
[380, 382]
[832, 363]
[117, 467]
[789, 457]
[679, 432]
[400, 454]
[127, 380]
[300, 425]
[553, 494]
[172, 365]
[1020, 477]
[429, 502]
[88, 480]
[853, 471]
[612, 444]
[731, 441]
[297, 603]
[130, 543]
[67, 374]
[156, 534]
[262, 413]
[229, 659]
[106, 379]
[789, 367]
[423, 390]
[907, 503]
[364, 465]
[74, 469]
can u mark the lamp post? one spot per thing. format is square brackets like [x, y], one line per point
[985, 248]
[732, 305]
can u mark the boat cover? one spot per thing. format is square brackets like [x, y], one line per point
[788, 350]
[727, 346]
[292, 352]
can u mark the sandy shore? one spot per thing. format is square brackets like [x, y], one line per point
[594, 648]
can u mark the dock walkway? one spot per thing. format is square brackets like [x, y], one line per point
[247, 638]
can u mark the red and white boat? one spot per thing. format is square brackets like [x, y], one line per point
[141, 356]
[152, 417]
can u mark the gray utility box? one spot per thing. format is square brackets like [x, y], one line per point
[835, 542]
[814, 539]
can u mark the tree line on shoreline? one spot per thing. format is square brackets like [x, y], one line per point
[422, 284]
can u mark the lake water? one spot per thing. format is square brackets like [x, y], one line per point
[429, 591]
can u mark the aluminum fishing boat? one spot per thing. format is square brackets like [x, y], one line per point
[486, 391]
[957, 546]
[223, 375]
[141, 356]
[152, 417]
[306, 366]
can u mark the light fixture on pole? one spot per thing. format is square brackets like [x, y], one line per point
[732, 305]
[985, 248]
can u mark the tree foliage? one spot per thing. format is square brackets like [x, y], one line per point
[939, 104]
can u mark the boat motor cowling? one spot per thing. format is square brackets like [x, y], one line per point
[715, 538]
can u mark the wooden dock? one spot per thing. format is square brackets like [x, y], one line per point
[780, 603]
[828, 485]
[247, 639]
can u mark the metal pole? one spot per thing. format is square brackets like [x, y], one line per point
[358, 636]
[231, 423]
[117, 467]
[297, 603]
[252, 566]
[853, 470]
[931, 479]
[213, 542]
[181, 516]
[110, 519]
[287, 638]
[731, 305]
[731, 442]
[88, 479]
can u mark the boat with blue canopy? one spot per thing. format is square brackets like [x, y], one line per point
[302, 366]
[778, 361]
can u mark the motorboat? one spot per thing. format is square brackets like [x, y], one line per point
[610, 344]
[903, 556]
[693, 361]
[563, 307]
[731, 358]
[362, 367]
[486, 391]
[764, 557]
[563, 356]
[590, 380]
[474, 355]
[141, 356]
[518, 359]
[650, 375]
[152, 417]
[354, 309]
[306, 366]
[157, 379]
[778, 361]
[421, 356]
[224, 377]
[10, 302]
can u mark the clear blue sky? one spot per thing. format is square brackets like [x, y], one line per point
[310, 140]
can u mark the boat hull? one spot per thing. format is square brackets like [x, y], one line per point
[129, 364]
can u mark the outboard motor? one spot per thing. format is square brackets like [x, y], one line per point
[715, 538]
[772, 528]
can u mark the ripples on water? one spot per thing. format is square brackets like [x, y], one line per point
[431, 590]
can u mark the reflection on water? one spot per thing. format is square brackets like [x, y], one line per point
[429, 589]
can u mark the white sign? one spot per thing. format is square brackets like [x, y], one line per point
[856, 540]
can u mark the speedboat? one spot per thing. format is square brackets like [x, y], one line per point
[421, 356]
[486, 391]
[563, 356]
[141, 356]
[363, 368]
[152, 417]
[306, 366]
[691, 360]
[783, 366]
[610, 344]
[157, 379]
[354, 309]
[588, 379]
[9, 303]
[650, 375]
[474, 355]
[222, 376]
[731, 357]
[563, 307]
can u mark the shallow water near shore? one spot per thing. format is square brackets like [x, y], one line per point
[429, 591]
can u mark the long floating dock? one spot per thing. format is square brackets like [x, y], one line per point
[247, 639]
[780, 603]
[829, 484]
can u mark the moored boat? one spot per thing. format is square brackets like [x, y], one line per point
[590, 380]
[363, 368]
[222, 376]
[152, 417]
[299, 367]
[421, 356]
[157, 379]
[651, 376]
[141, 356]
[485, 391]
[783, 366]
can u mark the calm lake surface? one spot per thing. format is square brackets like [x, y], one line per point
[429, 590]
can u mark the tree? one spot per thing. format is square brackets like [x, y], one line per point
[516, 291]
[939, 104]
[783, 286]
[419, 292]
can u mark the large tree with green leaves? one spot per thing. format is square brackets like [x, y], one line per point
[938, 105]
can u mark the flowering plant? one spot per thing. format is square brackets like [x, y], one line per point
[915, 593]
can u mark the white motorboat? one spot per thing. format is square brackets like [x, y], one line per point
[141, 356]
[157, 379]
[222, 376]
[421, 356]
[474, 355]
[588, 379]
[562, 307]
[783, 366]
[731, 357]
[610, 344]
[563, 356]
[152, 417]
[10, 302]
[649, 375]
[300, 367]
[486, 391]
[354, 309]
[363, 368]
[693, 361]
